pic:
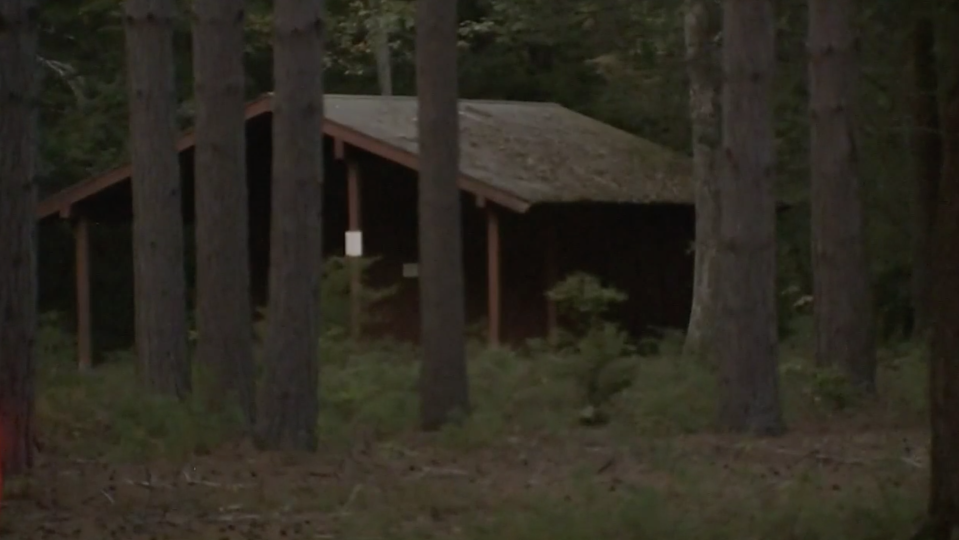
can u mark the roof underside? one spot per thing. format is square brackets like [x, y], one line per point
[539, 152]
[528, 153]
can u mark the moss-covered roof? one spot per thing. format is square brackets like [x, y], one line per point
[539, 152]
[515, 153]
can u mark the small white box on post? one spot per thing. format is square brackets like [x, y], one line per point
[354, 243]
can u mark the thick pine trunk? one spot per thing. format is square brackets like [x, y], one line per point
[289, 401]
[159, 273]
[842, 293]
[944, 307]
[944, 377]
[927, 153]
[18, 250]
[444, 392]
[745, 344]
[224, 312]
[702, 60]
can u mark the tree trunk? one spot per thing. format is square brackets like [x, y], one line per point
[927, 152]
[842, 286]
[224, 311]
[702, 29]
[159, 272]
[443, 382]
[289, 400]
[380, 40]
[745, 345]
[944, 377]
[944, 346]
[18, 250]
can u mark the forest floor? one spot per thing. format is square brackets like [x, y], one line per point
[123, 466]
[804, 485]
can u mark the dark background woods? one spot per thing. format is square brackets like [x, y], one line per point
[621, 62]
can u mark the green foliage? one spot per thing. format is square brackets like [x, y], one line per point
[366, 390]
[54, 342]
[826, 386]
[369, 390]
[583, 298]
[107, 415]
[335, 292]
[597, 354]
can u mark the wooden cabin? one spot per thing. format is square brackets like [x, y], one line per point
[545, 192]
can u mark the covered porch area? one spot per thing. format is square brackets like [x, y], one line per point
[515, 245]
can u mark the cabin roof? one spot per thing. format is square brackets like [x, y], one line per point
[517, 154]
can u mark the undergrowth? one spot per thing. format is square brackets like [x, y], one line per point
[649, 398]
[369, 390]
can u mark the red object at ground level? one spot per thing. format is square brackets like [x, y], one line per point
[1, 472]
[1, 469]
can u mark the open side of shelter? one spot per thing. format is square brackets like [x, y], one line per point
[545, 191]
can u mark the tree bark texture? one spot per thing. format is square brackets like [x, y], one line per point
[745, 345]
[289, 400]
[702, 29]
[843, 321]
[18, 236]
[159, 272]
[380, 40]
[927, 153]
[944, 346]
[444, 391]
[224, 311]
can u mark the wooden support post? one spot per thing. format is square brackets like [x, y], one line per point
[551, 275]
[356, 278]
[81, 229]
[493, 274]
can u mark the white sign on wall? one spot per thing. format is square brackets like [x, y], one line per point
[354, 243]
[411, 270]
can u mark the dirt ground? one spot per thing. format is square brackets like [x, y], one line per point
[414, 487]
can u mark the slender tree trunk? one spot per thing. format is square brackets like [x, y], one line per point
[159, 272]
[378, 30]
[842, 287]
[702, 60]
[944, 308]
[18, 232]
[289, 402]
[380, 39]
[745, 344]
[443, 381]
[927, 152]
[224, 311]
